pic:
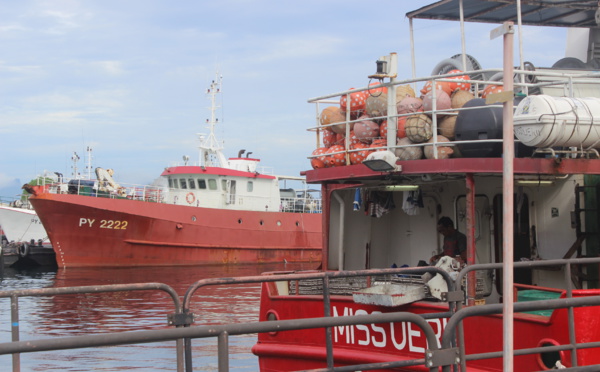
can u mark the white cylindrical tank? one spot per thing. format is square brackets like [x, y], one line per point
[546, 121]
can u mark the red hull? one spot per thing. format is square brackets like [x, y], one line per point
[95, 231]
[305, 349]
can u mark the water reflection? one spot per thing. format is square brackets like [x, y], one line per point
[82, 314]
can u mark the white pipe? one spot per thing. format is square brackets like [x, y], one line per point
[412, 52]
[392, 111]
[507, 197]
[462, 36]
[521, 61]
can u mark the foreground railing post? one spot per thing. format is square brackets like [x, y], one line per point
[327, 310]
[571, 316]
[14, 326]
[223, 351]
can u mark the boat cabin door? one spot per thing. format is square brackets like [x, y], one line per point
[521, 238]
[483, 249]
[229, 190]
[483, 236]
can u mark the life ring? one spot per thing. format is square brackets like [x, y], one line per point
[190, 197]
[24, 250]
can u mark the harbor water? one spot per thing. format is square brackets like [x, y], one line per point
[86, 314]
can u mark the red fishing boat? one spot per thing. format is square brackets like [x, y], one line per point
[218, 211]
[482, 247]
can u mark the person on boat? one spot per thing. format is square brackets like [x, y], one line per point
[455, 242]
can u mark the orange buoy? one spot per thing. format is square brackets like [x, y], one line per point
[491, 89]
[366, 129]
[356, 105]
[335, 156]
[319, 161]
[357, 157]
[460, 81]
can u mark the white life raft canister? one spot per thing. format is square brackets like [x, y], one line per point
[546, 121]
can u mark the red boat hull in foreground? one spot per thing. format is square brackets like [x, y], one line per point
[96, 231]
[380, 343]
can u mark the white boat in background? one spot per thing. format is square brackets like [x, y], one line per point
[25, 241]
[21, 224]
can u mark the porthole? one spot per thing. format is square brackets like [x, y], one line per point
[547, 360]
[278, 223]
[297, 223]
[193, 218]
[262, 222]
[271, 316]
[239, 220]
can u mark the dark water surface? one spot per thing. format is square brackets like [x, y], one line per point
[84, 314]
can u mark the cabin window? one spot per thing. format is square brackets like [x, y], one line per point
[192, 183]
[183, 183]
[224, 185]
[212, 184]
[250, 186]
[171, 183]
[201, 183]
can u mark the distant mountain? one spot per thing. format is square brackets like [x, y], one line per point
[11, 189]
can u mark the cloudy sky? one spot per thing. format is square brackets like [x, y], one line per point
[128, 78]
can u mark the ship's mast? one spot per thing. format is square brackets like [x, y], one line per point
[88, 167]
[75, 158]
[210, 147]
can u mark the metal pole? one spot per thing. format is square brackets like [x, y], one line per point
[462, 36]
[412, 52]
[327, 310]
[472, 278]
[223, 351]
[507, 197]
[521, 61]
[392, 111]
[14, 326]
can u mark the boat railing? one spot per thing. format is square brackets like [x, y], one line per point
[18, 201]
[567, 83]
[96, 188]
[302, 204]
[449, 352]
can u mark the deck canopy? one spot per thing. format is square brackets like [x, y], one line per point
[561, 13]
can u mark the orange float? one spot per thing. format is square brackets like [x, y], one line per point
[335, 156]
[401, 133]
[334, 115]
[490, 89]
[366, 129]
[357, 157]
[460, 83]
[318, 162]
[442, 101]
[329, 138]
[357, 103]
[440, 85]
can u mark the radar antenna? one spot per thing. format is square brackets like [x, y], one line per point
[210, 148]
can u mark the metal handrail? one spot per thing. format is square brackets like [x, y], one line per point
[434, 357]
[14, 296]
[324, 276]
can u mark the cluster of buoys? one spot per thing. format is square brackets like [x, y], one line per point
[368, 129]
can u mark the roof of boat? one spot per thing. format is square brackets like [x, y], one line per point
[215, 171]
[561, 13]
[523, 166]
